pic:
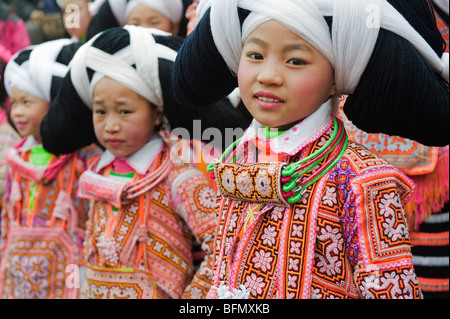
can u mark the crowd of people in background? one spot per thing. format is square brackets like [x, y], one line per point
[322, 200]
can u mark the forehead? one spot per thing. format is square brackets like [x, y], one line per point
[109, 86]
[143, 11]
[107, 89]
[273, 32]
[19, 93]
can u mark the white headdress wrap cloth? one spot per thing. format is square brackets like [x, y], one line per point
[35, 75]
[173, 9]
[355, 29]
[143, 52]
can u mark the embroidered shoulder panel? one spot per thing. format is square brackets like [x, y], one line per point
[181, 207]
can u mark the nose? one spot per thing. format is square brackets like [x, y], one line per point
[17, 109]
[112, 125]
[270, 74]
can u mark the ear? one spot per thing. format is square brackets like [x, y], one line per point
[333, 89]
[158, 116]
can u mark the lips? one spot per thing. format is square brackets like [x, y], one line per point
[268, 100]
[114, 142]
[21, 125]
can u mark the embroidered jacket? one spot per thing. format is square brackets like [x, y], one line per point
[42, 224]
[347, 237]
[46, 197]
[180, 209]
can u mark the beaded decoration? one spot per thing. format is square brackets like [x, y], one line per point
[277, 182]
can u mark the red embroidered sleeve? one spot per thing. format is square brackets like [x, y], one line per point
[194, 201]
[384, 268]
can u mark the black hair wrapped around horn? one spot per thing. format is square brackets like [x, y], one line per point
[398, 94]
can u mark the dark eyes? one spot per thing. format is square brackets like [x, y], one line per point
[259, 57]
[26, 102]
[255, 56]
[296, 62]
[125, 112]
[102, 112]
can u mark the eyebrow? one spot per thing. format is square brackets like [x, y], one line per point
[119, 102]
[257, 41]
[297, 47]
[287, 48]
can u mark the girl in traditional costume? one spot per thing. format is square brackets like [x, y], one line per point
[42, 220]
[146, 207]
[302, 211]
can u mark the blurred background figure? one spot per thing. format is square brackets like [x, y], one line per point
[13, 32]
[191, 15]
[43, 19]
[13, 37]
[77, 15]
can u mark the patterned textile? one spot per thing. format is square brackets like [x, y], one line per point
[8, 137]
[410, 157]
[150, 239]
[430, 235]
[428, 168]
[346, 238]
[430, 255]
[38, 244]
[427, 211]
[444, 29]
[258, 182]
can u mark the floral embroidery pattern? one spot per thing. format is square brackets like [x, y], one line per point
[253, 182]
[228, 180]
[262, 260]
[244, 184]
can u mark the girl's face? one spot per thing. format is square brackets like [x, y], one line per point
[282, 78]
[27, 112]
[146, 17]
[76, 17]
[123, 120]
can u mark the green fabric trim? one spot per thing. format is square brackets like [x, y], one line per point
[39, 157]
[271, 134]
[125, 176]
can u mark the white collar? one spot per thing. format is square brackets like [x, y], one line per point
[29, 143]
[139, 161]
[297, 137]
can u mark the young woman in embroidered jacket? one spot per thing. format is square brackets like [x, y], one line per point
[146, 207]
[42, 221]
[302, 211]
